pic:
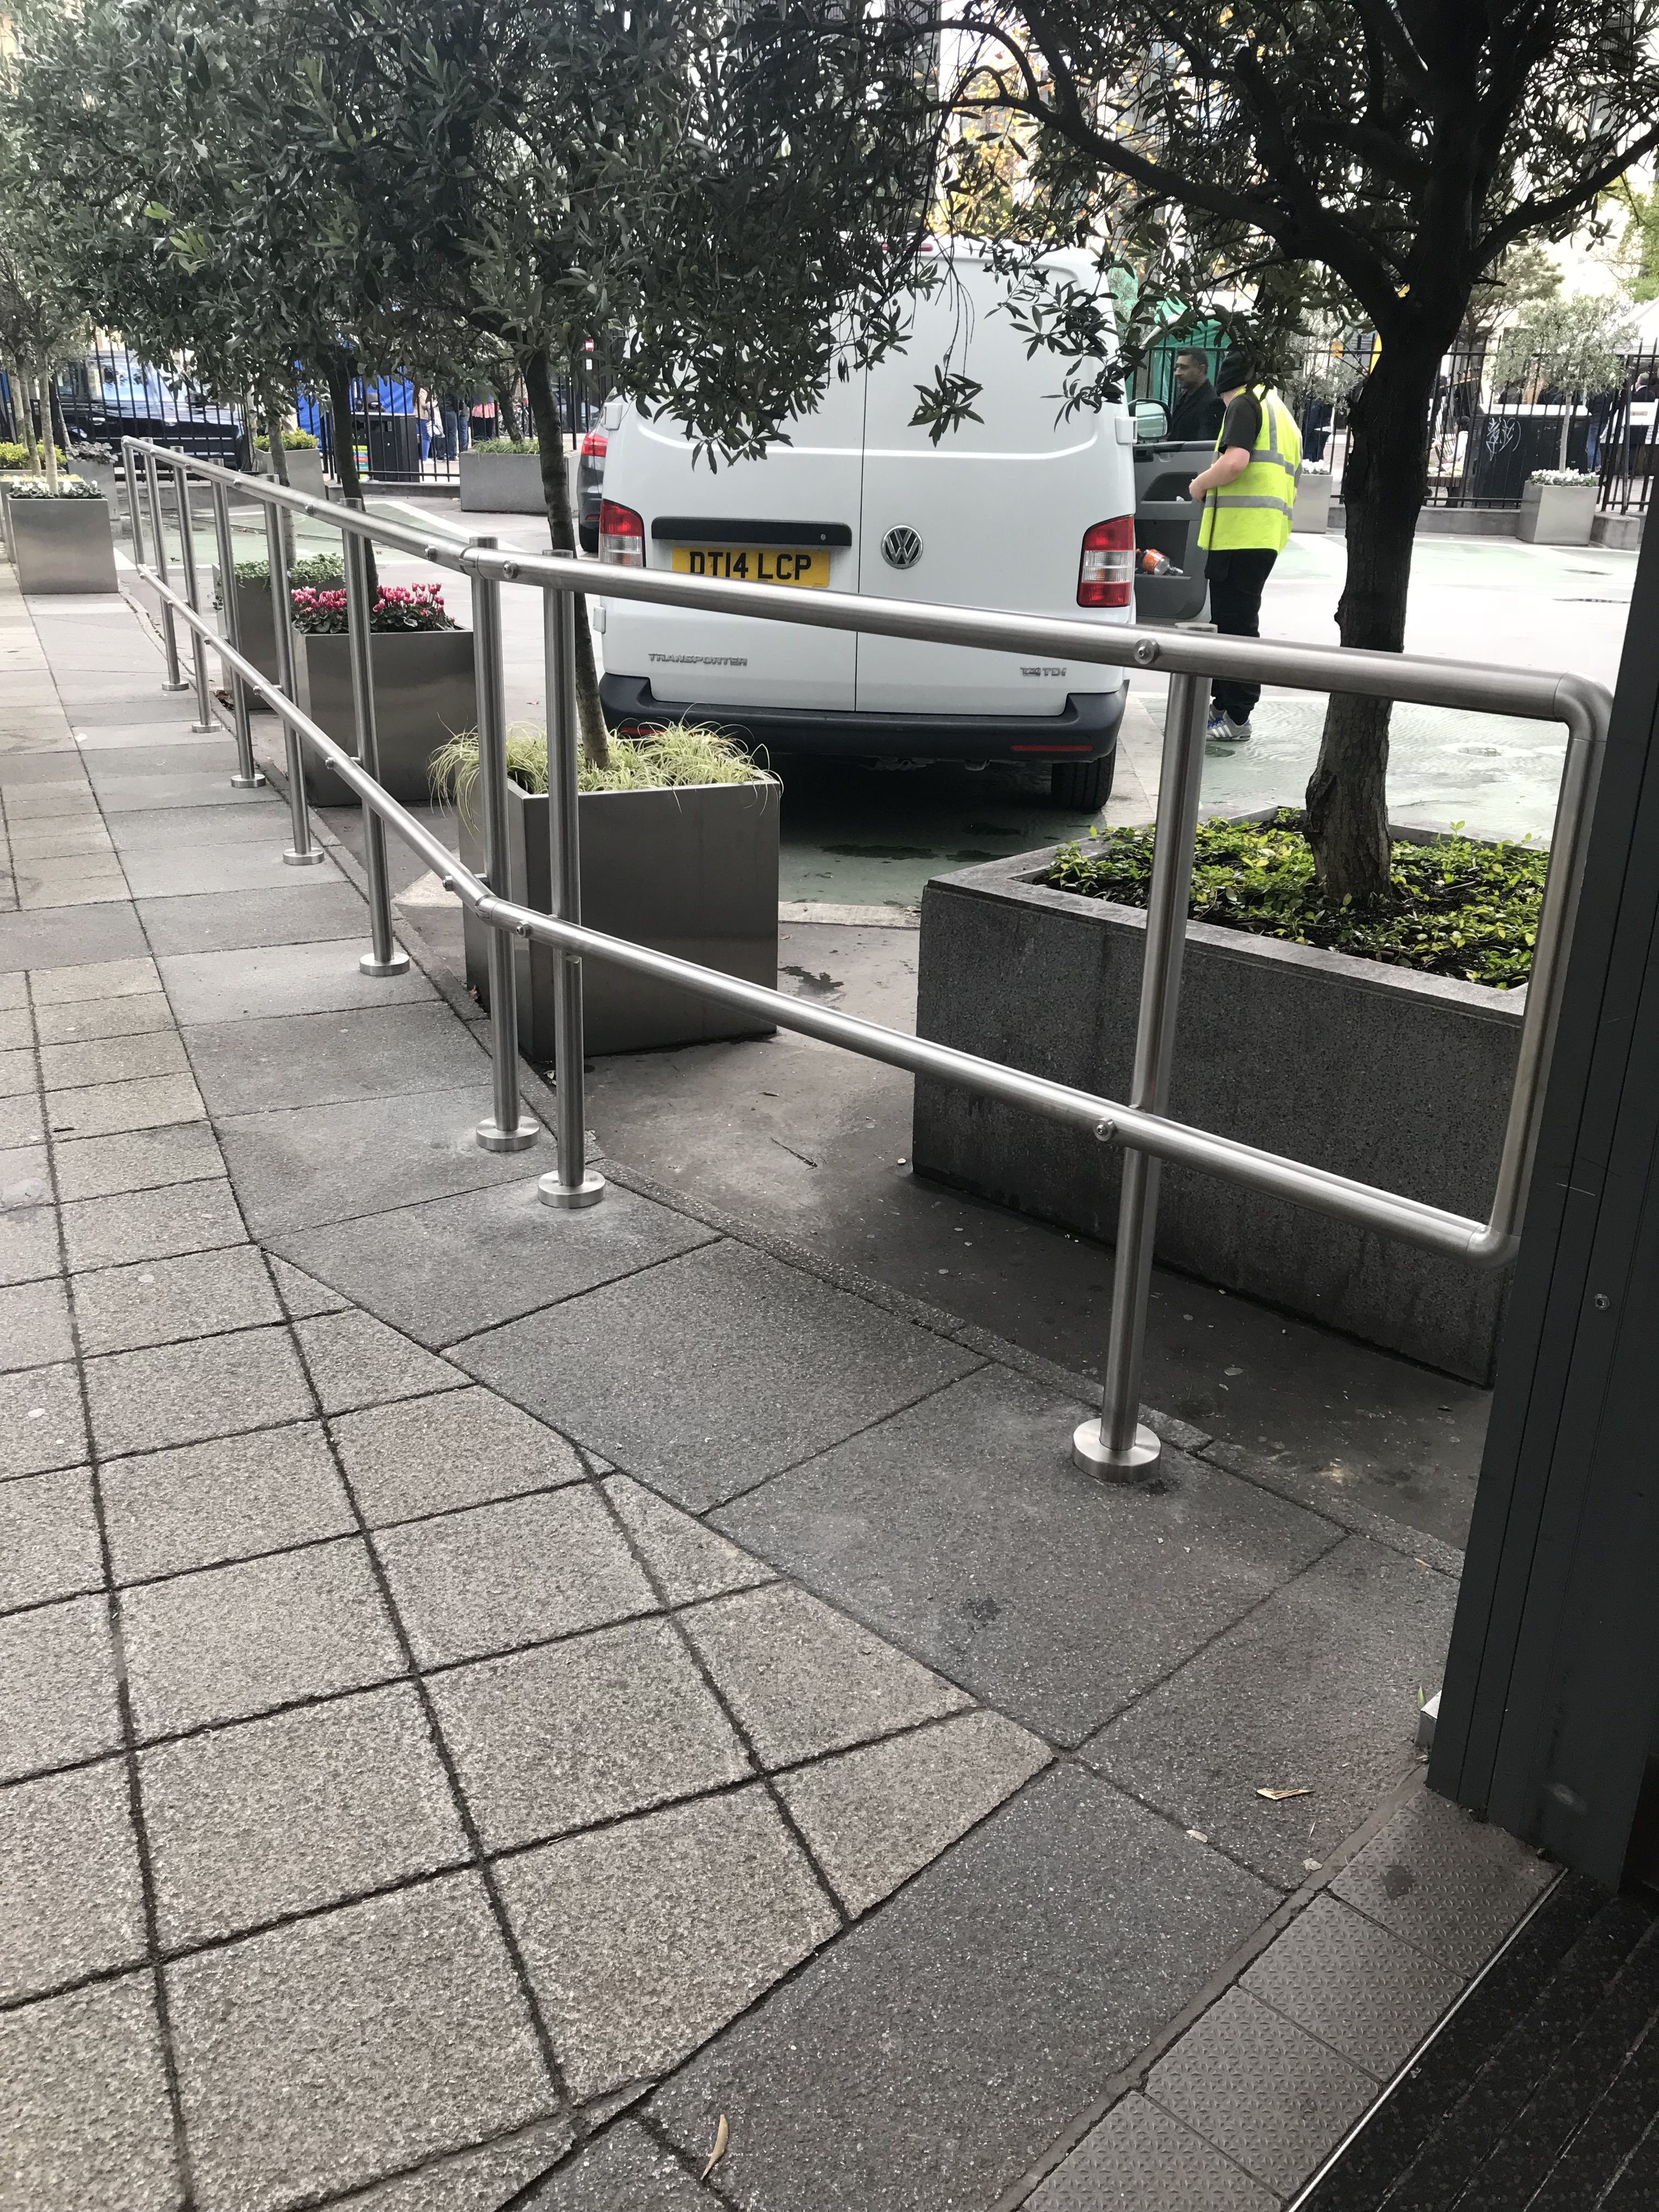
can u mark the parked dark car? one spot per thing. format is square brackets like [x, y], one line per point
[590, 489]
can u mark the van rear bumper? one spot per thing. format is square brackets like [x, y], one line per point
[1085, 730]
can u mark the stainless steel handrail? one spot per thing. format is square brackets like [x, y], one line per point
[1116, 1443]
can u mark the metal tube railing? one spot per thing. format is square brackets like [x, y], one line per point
[385, 957]
[508, 1130]
[572, 1183]
[247, 776]
[198, 635]
[302, 852]
[173, 681]
[1142, 1125]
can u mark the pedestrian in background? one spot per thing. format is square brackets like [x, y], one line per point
[1199, 411]
[1248, 492]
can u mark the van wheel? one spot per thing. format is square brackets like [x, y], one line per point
[1082, 784]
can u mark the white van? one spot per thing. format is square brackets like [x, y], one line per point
[1025, 510]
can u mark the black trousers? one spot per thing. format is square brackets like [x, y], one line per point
[1237, 583]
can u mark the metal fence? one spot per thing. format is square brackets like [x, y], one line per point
[411, 430]
[1116, 1443]
[108, 396]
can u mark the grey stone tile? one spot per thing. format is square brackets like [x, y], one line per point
[302, 1295]
[1365, 1992]
[22, 1120]
[314, 1060]
[226, 873]
[285, 1815]
[356, 1360]
[261, 982]
[48, 838]
[1140, 2160]
[931, 2055]
[448, 1269]
[1317, 1690]
[643, 1939]
[624, 2167]
[76, 880]
[167, 1301]
[108, 1108]
[16, 1028]
[164, 828]
[112, 1060]
[46, 801]
[308, 905]
[144, 1159]
[14, 992]
[875, 1816]
[86, 1020]
[185, 790]
[152, 1224]
[48, 1539]
[326, 2054]
[1451, 1886]
[41, 1424]
[713, 1370]
[71, 1904]
[57, 1687]
[516, 1572]
[28, 1244]
[430, 1454]
[34, 1324]
[1254, 2085]
[962, 1527]
[803, 1679]
[218, 1386]
[88, 2122]
[169, 1511]
[237, 1640]
[480, 2180]
[17, 1073]
[553, 1739]
[688, 1561]
[68, 937]
[71, 986]
[306, 1165]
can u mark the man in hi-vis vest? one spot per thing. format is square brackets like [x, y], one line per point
[1248, 492]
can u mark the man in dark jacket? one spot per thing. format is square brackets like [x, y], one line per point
[1199, 410]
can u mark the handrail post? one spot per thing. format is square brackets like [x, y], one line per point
[131, 469]
[509, 1129]
[572, 1183]
[387, 958]
[302, 854]
[205, 722]
[1117, 1445]
[247, 776]
[174, 681]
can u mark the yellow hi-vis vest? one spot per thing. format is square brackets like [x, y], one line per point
[1253, 511]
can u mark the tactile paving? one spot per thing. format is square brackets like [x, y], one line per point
[1140, 2160]
[1452, 1886]
[1356, 1986]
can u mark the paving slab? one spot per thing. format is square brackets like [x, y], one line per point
[317, 1060]
[167, 1512]
[89, 2123]
[325, 2055]
[1349, 1982]
[47, 838]
[433, 1455]
[687, 1559]
[152, 1224]
[85, 1020]
[225, 872]
[521, 1572]
[932, 2053]
[1140, 2159]
[17, 1071]
[625, 2166]
[258, 983]
[75, 881]
[356, 1360]
[49, 1544]
[450, 1268]
[123, 790]
[1317, 1690]
[138, 1159]
[309, 904]
[185, 1394]
[552, 1740]
[16, 1028]
[111, 1059]
[961, 1528]
[95, 977]
[167, 1301]
[601, 1919]
[41, 1422]
[69, 936]
[22, 1121]
[57, 1687]
[233, 1641]
[291, 1814]
[34, 1324]
[479, 2180]
[72, 1904]
[1450, 1885]
[711, 1372]
[302, 1295]
[164, 828]
[29, 1242]
[106, 1109]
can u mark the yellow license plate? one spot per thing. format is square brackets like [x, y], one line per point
[753, 564]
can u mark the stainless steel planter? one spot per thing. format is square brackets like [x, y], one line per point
[424, 694]
[502, 484]
[61, 545]
[692, 872]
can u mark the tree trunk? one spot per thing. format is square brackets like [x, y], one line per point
[506, 406]
[25, 405]
[336, 367]
[1384, 483]
[55, 408]
[555, 490]
[276, 422]
[43, 386]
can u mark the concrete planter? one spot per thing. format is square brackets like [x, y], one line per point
[1399, 1080]
[1312, 511]
[258, 629]
[424, 693]
[691, 872]
[61, 545]
[1557, 514]
[305, 472]
[502, 484]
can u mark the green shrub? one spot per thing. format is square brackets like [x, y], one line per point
[504, 445]
[1456, 906]
[316, 572]
[17, 457]
[300, 442]
[683, 754]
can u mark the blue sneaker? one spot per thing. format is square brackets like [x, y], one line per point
[1222, 730]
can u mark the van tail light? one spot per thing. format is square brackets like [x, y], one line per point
[594, 445]
[622, 536]
[1106, 573]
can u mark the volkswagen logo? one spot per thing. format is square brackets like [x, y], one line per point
[901, 547]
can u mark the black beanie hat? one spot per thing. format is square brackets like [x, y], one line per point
[1234, 373]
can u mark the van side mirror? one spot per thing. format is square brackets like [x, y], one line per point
[1151, 423]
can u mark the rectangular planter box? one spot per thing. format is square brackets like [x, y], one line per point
[424, 694]
[61, 545]
[305, 472]
[1399, 1079]
[1557, 514]
[691, 872]
[502, 484]
[1312, 511]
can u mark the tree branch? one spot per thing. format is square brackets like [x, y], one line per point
[1541, 215]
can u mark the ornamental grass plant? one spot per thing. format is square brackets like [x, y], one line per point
[1456, 906]
[681, 755]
